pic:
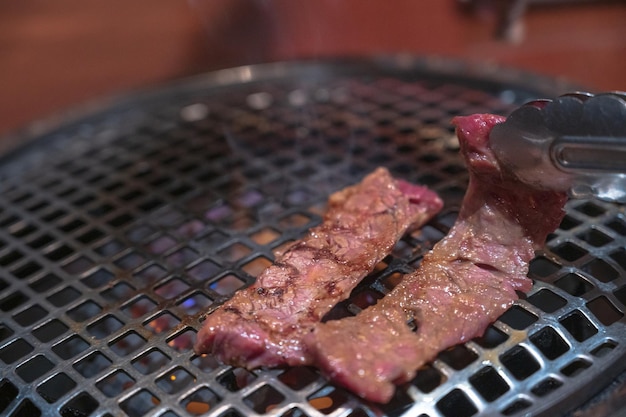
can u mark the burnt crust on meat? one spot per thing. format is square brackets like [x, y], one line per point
[464, 283]
[264, 324]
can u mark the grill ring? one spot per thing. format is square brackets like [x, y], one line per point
[122, 226]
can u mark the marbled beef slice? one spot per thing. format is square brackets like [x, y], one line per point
[466, 282]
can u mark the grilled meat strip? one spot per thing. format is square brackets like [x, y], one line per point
[466, 282]
[263, 325]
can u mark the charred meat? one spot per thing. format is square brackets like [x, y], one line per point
[265, 324]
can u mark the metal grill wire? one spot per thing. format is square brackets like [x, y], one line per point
[119, 231]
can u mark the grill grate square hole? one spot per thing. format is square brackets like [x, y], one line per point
[8, 392]
[84, 311]
[576, 367]
[516, 407]
[130, 261]
[64, 296]
[127, 344]
[5, 332]
[8, 221]
[590, 209]
[546, 386]
[604, 310]
[70, 347]
[458, 357]
[139, 404]
[427, 379]
[294, 221]
[182, 257]
[104, 327]
[200, 402]
[79, 265]
[297, 378]
[90, 236]
[520, 362]
[50, 330]
[489, 384]
[175, 380]
[56, 387]
[595, 237]
[30, 316]
[139, 233]
[10, 257]
[543, 267]
[151, 361]
[549, 342]
[264, 399]
[149, 275]
[139, 307]
[574, 284]
[171, 289]
[604, 349]
[578, 326]
[601, 270]
[151, 204]
[227, 285]
[205, 363]
[456, 404]
[182, 342]
[547, 301]
[203, 271]
[161, 244]
[12, 301]
[121, 220]
[162, 323]
[518, 318]
[115, 384]
[328, 399]
[569, 222]
[26, 270]
[119, 292]
[45, 283]
[26, 409]
[40, 241]
[59, 253]
[569, 251]
[618, 225]
[72, 225]
[34, 368]
[236, 379]
[491, 338]
[256, 266]
[83, 405]
[235, 252]
[195, 304]
[98, 278]
[92, 365]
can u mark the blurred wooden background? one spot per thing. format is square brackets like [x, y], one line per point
[59, 54]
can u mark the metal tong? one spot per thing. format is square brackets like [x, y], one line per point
[575, 143]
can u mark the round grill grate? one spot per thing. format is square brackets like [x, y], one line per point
[119, 229]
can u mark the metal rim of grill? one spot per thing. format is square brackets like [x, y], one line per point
[120, 227]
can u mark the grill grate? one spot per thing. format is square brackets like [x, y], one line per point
[119, 229]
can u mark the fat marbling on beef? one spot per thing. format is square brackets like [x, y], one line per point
[264, 324]
[464, 283]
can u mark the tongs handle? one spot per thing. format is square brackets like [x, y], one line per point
[575, 143]
[578, 154]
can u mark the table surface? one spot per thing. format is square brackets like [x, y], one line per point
[62, 54]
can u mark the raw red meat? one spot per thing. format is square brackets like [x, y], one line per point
[466, 282]
[264, 324]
